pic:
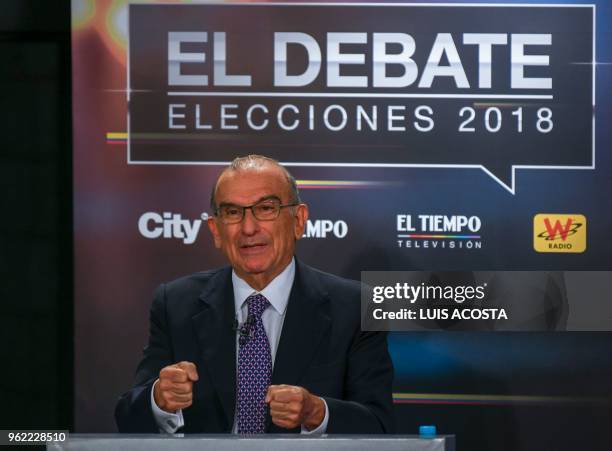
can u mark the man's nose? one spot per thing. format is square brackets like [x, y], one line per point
[249, 225]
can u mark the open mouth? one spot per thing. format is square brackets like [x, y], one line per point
[253, 248]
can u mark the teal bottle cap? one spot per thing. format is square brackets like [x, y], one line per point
[427, 431]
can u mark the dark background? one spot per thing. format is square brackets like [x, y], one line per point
[36, 320]
[36, 314]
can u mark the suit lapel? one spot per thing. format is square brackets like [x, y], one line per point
[306, 321]
[217, 340]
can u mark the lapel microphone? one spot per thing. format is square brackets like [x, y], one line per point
[245, 329]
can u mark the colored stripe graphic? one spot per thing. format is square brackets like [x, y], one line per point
[477, 399]
[336, 184]
[459, 237]
[120, 138]
[116, 138]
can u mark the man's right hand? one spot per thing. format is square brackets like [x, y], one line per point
[174, 388]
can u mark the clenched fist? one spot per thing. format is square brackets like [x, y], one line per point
[174, 388]
[292, 406]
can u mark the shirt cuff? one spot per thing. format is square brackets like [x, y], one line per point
[166, 421]
[320, 429]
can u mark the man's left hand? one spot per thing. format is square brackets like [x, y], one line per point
[292, 406]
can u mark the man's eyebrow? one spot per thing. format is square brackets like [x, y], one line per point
[270, 197]
[261, 199]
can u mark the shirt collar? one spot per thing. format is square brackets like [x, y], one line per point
[277, 291]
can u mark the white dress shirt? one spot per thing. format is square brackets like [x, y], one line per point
[277, 293]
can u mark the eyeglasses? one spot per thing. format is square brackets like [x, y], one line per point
[266, 210]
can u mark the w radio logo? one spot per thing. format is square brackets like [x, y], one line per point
[559, 233]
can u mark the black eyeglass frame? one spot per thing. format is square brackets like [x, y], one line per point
[243, 209]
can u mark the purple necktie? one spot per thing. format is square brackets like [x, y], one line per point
[254, 370]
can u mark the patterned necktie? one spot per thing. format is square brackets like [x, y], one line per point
[254, 370]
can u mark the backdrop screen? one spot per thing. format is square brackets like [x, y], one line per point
[424, 137]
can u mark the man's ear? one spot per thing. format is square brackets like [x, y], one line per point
[214, 229]
[301, 216]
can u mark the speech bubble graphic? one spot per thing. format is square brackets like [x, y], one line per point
[494, 87]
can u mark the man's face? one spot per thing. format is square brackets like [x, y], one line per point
[257, 250]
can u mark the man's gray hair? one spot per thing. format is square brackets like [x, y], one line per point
[256, 162]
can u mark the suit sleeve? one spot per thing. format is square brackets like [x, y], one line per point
[367, 405]
[133, 413]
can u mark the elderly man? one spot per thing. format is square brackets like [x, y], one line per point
[266, 345]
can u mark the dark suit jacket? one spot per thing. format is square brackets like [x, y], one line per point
[321, 348]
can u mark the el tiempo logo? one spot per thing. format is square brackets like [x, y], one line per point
[559, 233]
